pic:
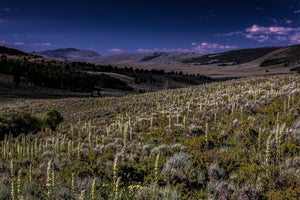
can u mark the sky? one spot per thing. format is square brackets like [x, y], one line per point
[138, 26]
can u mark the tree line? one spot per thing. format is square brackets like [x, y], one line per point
[46, 75]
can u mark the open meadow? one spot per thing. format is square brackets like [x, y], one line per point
[237, 139]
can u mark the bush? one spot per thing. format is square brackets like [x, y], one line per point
[4, 192]
[19, 123]
[52, 119]
[177, 168]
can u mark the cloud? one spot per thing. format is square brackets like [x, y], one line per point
[41, 44]
[205, 47]
[259, 38]
[273, 20]
[272, 33]
[1, 20]
[288, 21]
[116, 50]
[202, 48]
[278, 30]
[230, 33]
[18, 43]
[297, 11]
[7, 9]
[295, 38]
[141, 50]
[3, 42]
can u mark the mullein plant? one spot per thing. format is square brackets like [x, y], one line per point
[12, 176]
[117, 189]
[268, 147]
[19, 185]
[94, 189]
[278, 136]
[156, 169]
[78, 151]
[206, 136]
[82, 194]
[30, 173]
[48, 180]
[73, 185]
[115, 169]
[124, 145]
[259, 139]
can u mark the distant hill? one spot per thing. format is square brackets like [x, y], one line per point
[10, 51]
[150, 57]
[231, 57]
[71, 54]
[288, 56]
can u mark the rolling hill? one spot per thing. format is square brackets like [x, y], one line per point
[268, 56]
[231, 57]
[93, 57]
[71, 54]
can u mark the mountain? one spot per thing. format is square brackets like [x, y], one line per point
[231, 57]
[150, 57]
[71, 54]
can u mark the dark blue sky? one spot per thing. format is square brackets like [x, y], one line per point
[113, 26]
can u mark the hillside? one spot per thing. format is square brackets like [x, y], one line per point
[231, 64]
[71, 54]
[231, 57]
[289, 56]
[38, 76]
[93, 57]
[149, 58]
[10, 51]
[237, 139]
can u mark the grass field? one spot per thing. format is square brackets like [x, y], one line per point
[237, 139]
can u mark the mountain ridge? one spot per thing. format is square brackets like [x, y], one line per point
[74, 54]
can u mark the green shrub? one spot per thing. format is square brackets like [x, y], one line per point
[52, 119]
[4, 192]
[19, 123]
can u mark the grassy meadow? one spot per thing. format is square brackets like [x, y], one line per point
[237, 139]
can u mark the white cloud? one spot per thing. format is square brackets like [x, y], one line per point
[288, 21]
[297, 11]
[3, 42]
[269, 33]
[202, 48]
[295, 38]
[141, 50]
[259, 38]
[205, 47]
[41, 44]
[272, 33]
[18, 43]
[116, 50]
[230, 33]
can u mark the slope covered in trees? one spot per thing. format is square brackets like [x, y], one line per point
[54, 76]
